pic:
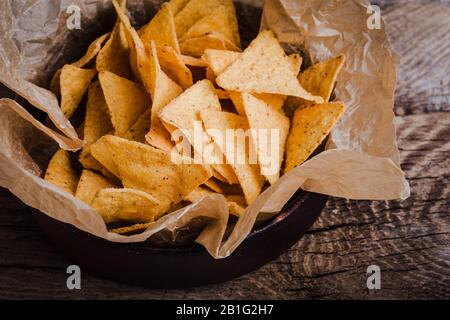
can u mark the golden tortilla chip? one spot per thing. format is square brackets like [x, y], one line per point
[192, 61]
[320, 78]
[140, 128]
[74, 83]
[103, 152]
[213, 186]
[164, 90]
[97, 122]
[177, 5]
[136, 228]
[217, 21]
[197, 46]
[310, 126]
[92, 51]
[148, 169]
[126, 205]
[267, 124]
[235, 209]
[161, 29]
[182, 113]
[247, 173]
[60, 172]
[126, 101]
[172, 64]
[90, 183]
[263, 68]
[114, 56]
[192, 12]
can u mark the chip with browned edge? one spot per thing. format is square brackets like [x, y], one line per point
[60, 172]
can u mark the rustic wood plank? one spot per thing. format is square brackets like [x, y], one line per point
[409, 240]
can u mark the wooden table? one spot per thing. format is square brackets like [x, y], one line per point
[409, 240]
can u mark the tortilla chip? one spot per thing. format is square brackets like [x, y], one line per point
[310, 126]
[164, 90]
[263, 68]
[197, 46]
[217, 21]
[126, 101]
[136, 228]
[161, 29]
[182, 113]
[192, 12]
[222, 95]
[172, 64]
[248, 174]
[126, 205]
[148, 169]
[90, 183]
[262, 116]
[219, 60]
[177, 5]
[235, 209]
[320, 78]
[60, 172]
[114, 56]
[140, 128]
[97, 122]
[192, 61]
[102, 151]
[92, 51]
[140, 61]
[74, 83]
[213, 186]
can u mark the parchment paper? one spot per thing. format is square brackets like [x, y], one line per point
[361, 160]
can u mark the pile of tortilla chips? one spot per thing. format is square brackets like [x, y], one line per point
[141, 94]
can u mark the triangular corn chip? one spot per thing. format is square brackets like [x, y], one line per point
[213, 186]
[161, 29]
[97, 121]
[192, 61]
[267, 124]
[97, 124]
[90, 183]
[92, 51]
[197, 194]
[196, 46]
[60, 172]
[263, 68]
[103, 152]
[219, 60]
[114, 56]
[182, 113]
[140, 128]
[126, 101]
[74, 83]
[177, 5]
[248, 174]
[192, 12]
[319, 79]
[310, 126]
[164, 90]
[139, 57]
[217, 21]
[172, 64]
[151, 170]
[126, 205]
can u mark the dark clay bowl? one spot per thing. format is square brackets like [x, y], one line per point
[184, 267]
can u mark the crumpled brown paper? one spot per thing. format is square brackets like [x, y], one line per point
[361, 160]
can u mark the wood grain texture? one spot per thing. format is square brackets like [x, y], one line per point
[409, 240]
